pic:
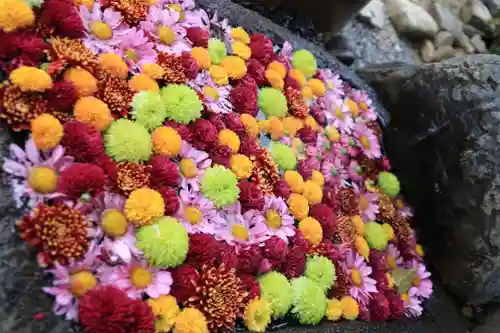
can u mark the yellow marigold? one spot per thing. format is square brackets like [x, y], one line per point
[276, 128]
[311, 122]
[291, 125]
[298, 76]
[191, 320]
[219, 74]
[358, 224]
[307, 93]
[420, 250]
[241, 50]
[15, 14]
[312, 230]
[362, 246]
[332, 133]
[257, 315]
[333, 310]
[274, 79]
[294, 180]
[278, 67]
[85, 83]
[165, 309]
[318, 178]
[30, 78]
[317, 86]
[202, 57]
[389, 231]
[251, 125]
[298, 205]
[93, 111]
[142, 82]
[143, 206]
[240, 34]
[230, 139]
[46, 131]
[235, 67]
[113, 64]
[350, 308]
[87, 3]
[154, 71]
[241, 165]
[166, 141]
[353, 107]
[312, 192]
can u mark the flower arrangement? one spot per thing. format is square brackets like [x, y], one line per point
[182, 174]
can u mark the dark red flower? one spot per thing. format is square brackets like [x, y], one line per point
[250, 285]
[63, 95]
[330, 197]
[204, 135]
[249, 259]
[185, 279]
[107, 309]
[262, 48]
[257, 71]
[307, 134]
[396, 305]
[299, 243]
[198, 36]
[233, 122]
[190, 65]
[227, 256]
[282, 189]
[290, 82]
[60, 17]
[81, 178]
[203, 250]
[379, 307]
[251, 196]
[171, 199]
[163, 172]
[318, 114]
[305, 168]
[378, 260]
[381, 279]
[327, 249]
[183, 130]
[326, 217]
[294, 264]
[244, 100]
[109, 166]
[217, 120]
[275, 250]
[82, 141]
[249, 146]
[20, 48]
[246, 80]
[364, 312]
[221, 154]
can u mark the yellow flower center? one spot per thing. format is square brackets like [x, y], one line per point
[101, 30]
[353, 107]
[391, 262]
[405, 297]
[188, 168]
[192, 214]
[363, 106]
[43, 179]
[141, 277]
[364, 141]
[82, 282]
[339, 113]
[211, 92]
[114, 223]
[167, 35]
[131, 54]
[416, 280]
[363, 203]
[390, 280]
[273, 219]
[178, 9]
[239, 232]
[399, 204]
[420, 250]
[356, 277]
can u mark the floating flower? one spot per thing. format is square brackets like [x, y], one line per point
[143, 206]
[46, 131]
[276, 289]
[220, 185]
[367, 204]
[192, 166]
[367, 141]
[197, 213]
[126, 140]
[332, 81]
[136, 49]
[308, 301]
[376, 236]
[412, 304]
[320, 270]
[215, 97]
[278, 220]
[362, 283]
[30, 79]
[388, 183]
[191, 320]
[422, 285]
[272, 102]
[182, 103]
[334, 171]
[305, 62]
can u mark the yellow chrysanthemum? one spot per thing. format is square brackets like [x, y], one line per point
[251, 125]
[87, 3]
[142, 82]
[230, 139]
[15, 14]
[154, 71]
[295, 181]
[298, 76]
[166, 141]
[318, 178]
[113, 64]
[333, 310]
[312, 230]
[30, 78]
[202, 57]
[46, 131]
[311, 122]
[278, 67]
[191, 320]
[389, 230]
[350, 308]
[240, 34]
[291, 125]
[298, 205]
[219, 74]
[241, 165]
[362, 246]
[143, 206]
[307, 93]
[274, 78]
[93, 111]
[85, 83]
[353, 107]
[358, 224]
[312, 192]
[166, 310]
[257, 315]
[241, 50]
[332, 133]
[317, 87]
[235, 67]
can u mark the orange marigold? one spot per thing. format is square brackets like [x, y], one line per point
[46, 131]
[85, 83]
[114, 64]
[142, 82]
[93, 111]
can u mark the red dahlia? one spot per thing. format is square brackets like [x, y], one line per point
[250, 285]
[282, 189]
[275, 250]
[81, 179]
[233, 122]
[326, 217]
[257, 71]
[190, 65]
[171, 199]
[60, 17]
[163, 172]
[221, 154]
[396, 305]
[305, 168]
[307, 134]
[82, 141]
[203, 250]
[63, 95]
[379, 307]
[249, 259]
[185, 279]
[183, 130]
[262, 48]
[251, 196]
[198, 36]
[244, 99]
[204, 135]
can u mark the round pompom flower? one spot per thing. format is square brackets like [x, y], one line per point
[305, 62]
[142, 82]
[148, 109]
[350, 308]
[29, 78]
[84, 81]
[376, 236]
[182, 103]
[229, 139]
[312, 192]
[113, 64]
[165, 309]
[235, 67]
[276, 289]
[143, 206]
[220, 185]
[273, 102]
[308, 301]
[320, 270]
[81, 179]
[126, 140]
[191, 320]
[283, 155]
[15, 14]
[241, 165]
[388, 183]
[167, 141]
[257, 315]
[311, 229]
[165, 243]
[93, 111]
[299, 206]
[46, 131]
[216, 50]
[333, 310]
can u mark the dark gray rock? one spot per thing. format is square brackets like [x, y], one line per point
[443, 142]
[491, 324]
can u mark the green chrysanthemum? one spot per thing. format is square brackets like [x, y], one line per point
[272, 102]
[34, 3]
[182, 104]
[126, 140]
[305, 62]
[276, 289]
[164, 243]
[216, 50]
[321, 270]
[220, 185]
[309, 301]
[376, 236]
[148, 109]
[388, 183]
[283, 155]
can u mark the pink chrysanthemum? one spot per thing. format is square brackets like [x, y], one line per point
[422, 284]
[365, 104]
[338, 114]
[393, 257]
[354, 170]
[413, 305]
[215, 97]
[190, 16]
[367, 203]
[136, 49]
[367, 141]
[201, 161]
[332, 81]
[137, 279]
[197, 213]
[334, 172]
[277, 218]
[362, 283]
